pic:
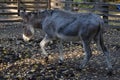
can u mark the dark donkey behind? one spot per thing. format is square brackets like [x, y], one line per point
[68, 26]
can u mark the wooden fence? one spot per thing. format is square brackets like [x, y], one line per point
[9, 9]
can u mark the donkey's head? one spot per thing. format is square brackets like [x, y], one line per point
[31, 20]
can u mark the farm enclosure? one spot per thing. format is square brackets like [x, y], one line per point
[22, 61]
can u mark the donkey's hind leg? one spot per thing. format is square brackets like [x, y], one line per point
[100, 44]
[87, 50]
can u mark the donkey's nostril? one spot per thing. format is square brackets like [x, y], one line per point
[25, 38]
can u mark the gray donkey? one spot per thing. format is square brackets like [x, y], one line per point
[66, 26]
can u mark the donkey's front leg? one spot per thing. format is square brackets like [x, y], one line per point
[87, 50]
[60, 47]
[45, 40]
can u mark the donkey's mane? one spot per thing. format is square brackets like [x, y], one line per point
[64, 13]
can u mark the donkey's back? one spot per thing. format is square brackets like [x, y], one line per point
[71, 26]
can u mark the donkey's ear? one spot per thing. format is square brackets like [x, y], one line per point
[24, 16]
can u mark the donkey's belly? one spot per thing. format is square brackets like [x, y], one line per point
[68, 38]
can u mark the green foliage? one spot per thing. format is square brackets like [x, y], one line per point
[78, 0]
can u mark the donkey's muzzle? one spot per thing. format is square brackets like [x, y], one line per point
[25, 38]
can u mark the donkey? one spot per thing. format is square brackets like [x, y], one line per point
[66, 26]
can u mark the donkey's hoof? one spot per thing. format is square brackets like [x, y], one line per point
[60, 62]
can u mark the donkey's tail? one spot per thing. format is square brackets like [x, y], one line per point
[99, 35]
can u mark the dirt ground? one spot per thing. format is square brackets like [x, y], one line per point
[21, 60]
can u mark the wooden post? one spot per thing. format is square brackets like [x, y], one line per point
[49, 4]
[18, 7]
[35, 4]
[105, 11]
